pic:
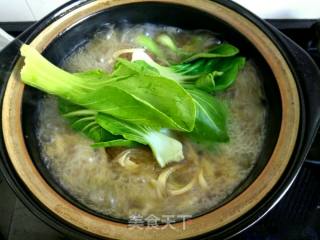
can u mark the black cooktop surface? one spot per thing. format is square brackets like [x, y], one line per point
[295, 217]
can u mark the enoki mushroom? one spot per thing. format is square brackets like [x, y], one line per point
[162, 185]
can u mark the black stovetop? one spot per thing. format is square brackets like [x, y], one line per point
[295, 217]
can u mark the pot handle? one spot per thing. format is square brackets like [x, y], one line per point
[314, 153]
[308, 77]
[5, 39]
[9, 49]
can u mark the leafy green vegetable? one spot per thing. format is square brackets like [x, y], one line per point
[124, 108]
[84, 120]
[149, 44]
[212, 71]
[211, 114]
[111, 94]
[218, 51]
[207, 82]
[167, 72]
[152, 46]
[133, 104]
[226, 72]
[116, 143]
[150, 87]
[189, 51]
[165, 149]
[167, 41]
[230, 69]
[211, 119]
[162, 47]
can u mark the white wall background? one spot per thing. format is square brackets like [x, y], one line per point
[31, 10]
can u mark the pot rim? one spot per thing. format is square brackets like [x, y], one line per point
[12, 131]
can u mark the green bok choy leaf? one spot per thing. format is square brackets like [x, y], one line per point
[165, 148]
[108, 131]
[125, 108]
[211, 119]
[84, 120]
[130, 96]
[211, 71]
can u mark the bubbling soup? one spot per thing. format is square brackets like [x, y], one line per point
[127, 182]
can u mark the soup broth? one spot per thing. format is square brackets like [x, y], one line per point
[127, 182]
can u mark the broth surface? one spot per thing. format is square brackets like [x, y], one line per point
[124, 183]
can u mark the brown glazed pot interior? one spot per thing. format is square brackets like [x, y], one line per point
[246, 200]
